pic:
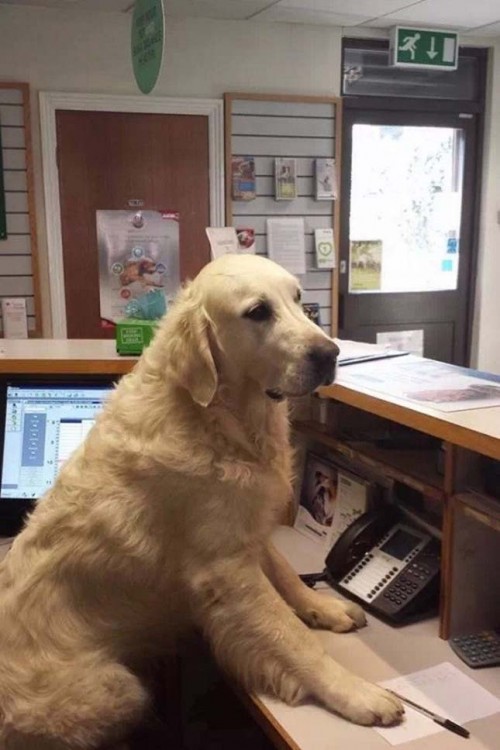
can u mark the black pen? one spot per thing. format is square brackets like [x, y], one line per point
[445, 723]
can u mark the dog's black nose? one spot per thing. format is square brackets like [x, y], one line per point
[324, 358]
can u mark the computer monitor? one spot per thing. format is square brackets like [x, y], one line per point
[42, 421]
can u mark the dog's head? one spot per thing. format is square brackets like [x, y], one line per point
[241, 319]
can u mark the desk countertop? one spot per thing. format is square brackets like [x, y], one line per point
[377, 652]
[476, 429]
[81, 356]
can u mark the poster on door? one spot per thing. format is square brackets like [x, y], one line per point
[138, 253]
[365, 266]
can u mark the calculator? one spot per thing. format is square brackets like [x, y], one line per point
[478, 649]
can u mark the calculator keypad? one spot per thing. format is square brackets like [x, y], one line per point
[478, 649]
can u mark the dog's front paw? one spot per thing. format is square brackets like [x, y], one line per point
[332, 614]
[365, 703]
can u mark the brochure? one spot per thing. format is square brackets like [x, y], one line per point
[243, 178]
[326, 180]
[285, 179]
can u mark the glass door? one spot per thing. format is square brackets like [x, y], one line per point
[405, 231]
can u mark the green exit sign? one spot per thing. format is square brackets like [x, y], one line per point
[424, 48]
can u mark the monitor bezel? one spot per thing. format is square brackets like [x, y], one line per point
[14, 511]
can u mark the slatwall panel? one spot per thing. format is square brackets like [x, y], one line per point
[273, 127]
[16, 265]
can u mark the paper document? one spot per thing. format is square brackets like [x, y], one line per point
[223, 240]
[444, 690]
[427, 382]
[359, 351]
[403, 341]
[286, 244]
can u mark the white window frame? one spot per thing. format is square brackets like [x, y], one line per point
[50, 102]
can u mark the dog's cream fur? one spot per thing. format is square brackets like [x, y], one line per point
[161, 521]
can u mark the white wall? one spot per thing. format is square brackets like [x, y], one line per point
[73, 51]
[486, 340]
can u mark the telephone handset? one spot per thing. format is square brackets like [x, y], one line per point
[389, 566]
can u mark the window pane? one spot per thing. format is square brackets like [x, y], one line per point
[406, 196]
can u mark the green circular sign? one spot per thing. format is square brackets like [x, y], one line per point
[147, 42]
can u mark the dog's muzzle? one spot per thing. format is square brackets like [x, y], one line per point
[321, 364]
[323, 358]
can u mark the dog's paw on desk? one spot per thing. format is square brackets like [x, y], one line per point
[329, 613]
[360, 701]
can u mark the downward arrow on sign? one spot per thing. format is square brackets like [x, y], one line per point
[432, 51]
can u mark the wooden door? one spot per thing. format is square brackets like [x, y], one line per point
[105, 160]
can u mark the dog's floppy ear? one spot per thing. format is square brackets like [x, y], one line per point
[191, 359]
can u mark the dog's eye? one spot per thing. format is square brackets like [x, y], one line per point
[298, 295]
[259, 312]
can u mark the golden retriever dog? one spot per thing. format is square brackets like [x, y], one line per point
[161, 522]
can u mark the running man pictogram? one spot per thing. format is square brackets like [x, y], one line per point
[410, 44]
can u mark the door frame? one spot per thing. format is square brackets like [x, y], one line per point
[50, 102]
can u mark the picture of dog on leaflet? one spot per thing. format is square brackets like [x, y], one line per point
[317, 499]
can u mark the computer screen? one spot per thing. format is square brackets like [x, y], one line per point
[44, 423]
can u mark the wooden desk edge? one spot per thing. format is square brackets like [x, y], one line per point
[432, 425]
[36, 366]
[265, 719]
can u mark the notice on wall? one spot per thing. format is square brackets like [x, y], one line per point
[138, 252]
[286, 244]
[403, 341]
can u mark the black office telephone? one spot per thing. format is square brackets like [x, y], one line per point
[387, 565]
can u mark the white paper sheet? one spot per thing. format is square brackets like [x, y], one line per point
[404, 341]
[359, 351]
[286, 244]
[223, 240]
[446, 691]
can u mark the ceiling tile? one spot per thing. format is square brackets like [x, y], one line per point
[297, 15]
[91, 5]
[454, 14]
[491, 30]
[230, 9]
[221, 9]
[368, 8]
